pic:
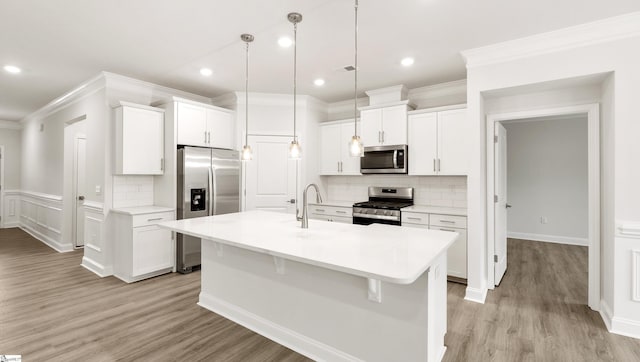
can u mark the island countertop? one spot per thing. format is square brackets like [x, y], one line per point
[383, 252]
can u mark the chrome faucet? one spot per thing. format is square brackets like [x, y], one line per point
[305, 215]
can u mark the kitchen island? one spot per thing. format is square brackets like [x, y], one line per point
[335, 292]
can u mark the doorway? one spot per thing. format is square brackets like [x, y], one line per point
[79, 189]
[271, 177]
[1, 186]
[497, 187]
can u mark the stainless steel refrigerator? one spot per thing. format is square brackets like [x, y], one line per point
[208, 184]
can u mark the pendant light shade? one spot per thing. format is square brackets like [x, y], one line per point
[295, 151]
[356, 148]
[246, 155]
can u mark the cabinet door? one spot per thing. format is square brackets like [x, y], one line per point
[394, 125]
[221, 129]
[371, 127]
[192, 125]
[423, 147]
[457, 253]
[142, 142]
[152, 250]
[350, 165]
[330, 149]
[453, 142]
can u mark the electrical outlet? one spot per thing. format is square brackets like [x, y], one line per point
[543, 220]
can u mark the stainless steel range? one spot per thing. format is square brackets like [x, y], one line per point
[383, 206]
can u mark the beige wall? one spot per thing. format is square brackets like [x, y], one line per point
[11, 140]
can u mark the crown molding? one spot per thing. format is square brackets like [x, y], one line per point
[439, 90]
[10, 125]
[601, 31]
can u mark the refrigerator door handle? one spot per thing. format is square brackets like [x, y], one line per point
[214, 191]
[210, 184]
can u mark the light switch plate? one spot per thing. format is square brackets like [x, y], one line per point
[98, 189]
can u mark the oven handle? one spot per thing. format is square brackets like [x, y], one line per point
[395, 158]
[379, 217]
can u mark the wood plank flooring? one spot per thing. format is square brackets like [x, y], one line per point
[51, 309]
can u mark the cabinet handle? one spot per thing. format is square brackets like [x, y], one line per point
[447, 230]
[338, 166]
[414, 218]
[382, 136]
[162, 164]
[438, 165]
[205, 136]
[209, 137]
[319, 210]
[155, 219]
[434, 165]
[379, 137]
[340, 212]
[341, 167]
[448, 221]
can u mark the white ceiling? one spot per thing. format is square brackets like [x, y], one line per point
[60, 44]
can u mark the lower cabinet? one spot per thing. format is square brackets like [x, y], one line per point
[142, 249]
[457, 253]
[331, 213]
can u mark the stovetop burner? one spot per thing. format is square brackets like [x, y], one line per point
[387, 205]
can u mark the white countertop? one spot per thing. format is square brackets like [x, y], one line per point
[141, 210]
[425, 209]
[337, 203]
[383, 252]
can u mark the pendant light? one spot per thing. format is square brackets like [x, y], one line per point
[247, 155]
[295, 150]
[356, 149]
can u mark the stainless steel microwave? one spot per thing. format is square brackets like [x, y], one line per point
[384, 159]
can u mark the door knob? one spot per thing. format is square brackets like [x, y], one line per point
[508, 206]
[81, 198]
[292, 201]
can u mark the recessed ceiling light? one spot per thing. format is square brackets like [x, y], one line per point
[12, 69]
[319, 82]
[206, 72]
[407, 62]
[285, 42]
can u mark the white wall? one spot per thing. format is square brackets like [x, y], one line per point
[11, 140]
[618, 54]
[547, 177]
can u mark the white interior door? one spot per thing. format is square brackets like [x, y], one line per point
[500, 210]
[271, 175]
[80, 189]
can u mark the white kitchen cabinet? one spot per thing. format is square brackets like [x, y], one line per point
[334, 149]
[205, 126]
[139, 140]
[142, 249]
[384, 126]
[438, 142]
[331, 213]
[457, 253]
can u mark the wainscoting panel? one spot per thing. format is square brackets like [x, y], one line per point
[11, 212]
[95, 254]
[41, 216]
[635, 255]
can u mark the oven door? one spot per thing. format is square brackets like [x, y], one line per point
[384, 159]
[357, 220]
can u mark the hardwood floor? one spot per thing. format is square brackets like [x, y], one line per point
[52, 309]
[538, 313]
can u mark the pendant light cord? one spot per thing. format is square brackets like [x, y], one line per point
[246, 100]
[295, 46]
[355, 88]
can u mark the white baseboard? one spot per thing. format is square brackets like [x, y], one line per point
[300, 343]
[53, 244]
[617, 325]
[549, 238]
[476, 295]
[8, 225]
[96, 268]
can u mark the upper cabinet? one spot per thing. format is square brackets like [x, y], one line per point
[438, 142]
[139, 137]
[334, 149]
[385, 125]
[205, 126]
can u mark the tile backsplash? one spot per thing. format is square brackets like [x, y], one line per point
[130, 191]
[448, 191]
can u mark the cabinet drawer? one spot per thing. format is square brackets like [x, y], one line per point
[152, 219]
[414, 218]
[448, 221]
[331, 210]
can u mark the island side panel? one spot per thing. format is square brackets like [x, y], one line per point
[321, 313]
